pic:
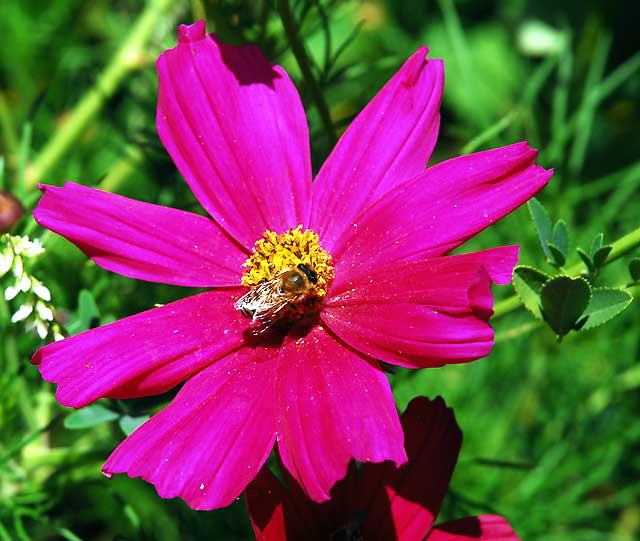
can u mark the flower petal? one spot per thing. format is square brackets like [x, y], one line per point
[442, 208]
[413, 493]
[482, 528]
[425, 313]
[144, 354]
[141, 240]
[210, 442]
[276, 515]
[335, 404]
[389, 142]
[236, 129]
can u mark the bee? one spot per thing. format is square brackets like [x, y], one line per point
[279, 298]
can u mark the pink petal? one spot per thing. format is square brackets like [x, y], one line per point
[412, 495]
[210, 442]
[425, 313]
[482, 528]
[236, 129]
[389, 142]
[141, 240]
[335, 404]
[276, 515]
[442, 208]
[144, 354]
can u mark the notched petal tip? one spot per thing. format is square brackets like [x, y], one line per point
[188, 33]
[415, 64]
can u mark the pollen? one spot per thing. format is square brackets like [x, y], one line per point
[276, 253]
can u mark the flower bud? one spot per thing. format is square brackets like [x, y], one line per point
[11, 210]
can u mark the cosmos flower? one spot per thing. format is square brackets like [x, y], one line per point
[311, 283]
[379, 502]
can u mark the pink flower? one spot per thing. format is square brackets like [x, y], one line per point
[365, 274]
[379, 502]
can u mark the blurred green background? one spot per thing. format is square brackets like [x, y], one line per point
[551, 430]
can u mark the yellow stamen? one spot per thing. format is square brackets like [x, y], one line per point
[276, 253]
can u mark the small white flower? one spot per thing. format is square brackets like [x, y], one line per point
[42, 329]
[35, 248]
[24, 284]
[6, 261]
[57, 336]
[11, 292]
[41, 290]
[23, 313]
[18, 267]
[44, 311]
[30, 248]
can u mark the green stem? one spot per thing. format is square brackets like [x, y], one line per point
[518, 331]
[126, 60]
[297, 47]
[122, 169]
[9, 134]
[619, 248]
[489, 133]
[11, 364]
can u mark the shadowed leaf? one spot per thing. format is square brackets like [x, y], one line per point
[564, 300]
[89, 416]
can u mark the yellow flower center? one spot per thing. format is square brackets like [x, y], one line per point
[275, 254]
[287, 276]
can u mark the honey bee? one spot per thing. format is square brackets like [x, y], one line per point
[279, 298]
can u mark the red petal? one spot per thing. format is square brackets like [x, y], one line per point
[443, 207]
[425, 313]
[335, 404]
[141, 240]
[389, 142]
[236, 129]
[210, 442]
[144, 354]
[276, 515]
[413, 494]
[482, 528]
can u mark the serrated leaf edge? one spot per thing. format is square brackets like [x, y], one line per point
[617, 313]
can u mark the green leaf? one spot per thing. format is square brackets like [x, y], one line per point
[605, 303]
[542, 223]
[86, 314]
[560, 237]
[580, 323]
[128, 423]
[587, 259]
[528, 282]
[596, 244]
[601, 256]
[89, 416]
[634, 269]
[564, 300]
[557, 257]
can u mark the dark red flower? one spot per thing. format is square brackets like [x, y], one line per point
[379, 502]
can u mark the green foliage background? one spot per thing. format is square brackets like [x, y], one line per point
[551, 430]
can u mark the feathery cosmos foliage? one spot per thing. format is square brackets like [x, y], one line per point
[235, 128]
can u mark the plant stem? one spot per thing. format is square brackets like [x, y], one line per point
[619, 248]
[125, 60]
[297, 47]
[122, 169]
[9, 134]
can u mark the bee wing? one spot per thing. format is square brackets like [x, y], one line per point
[262, 302]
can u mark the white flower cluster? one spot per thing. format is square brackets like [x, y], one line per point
[36, 309]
